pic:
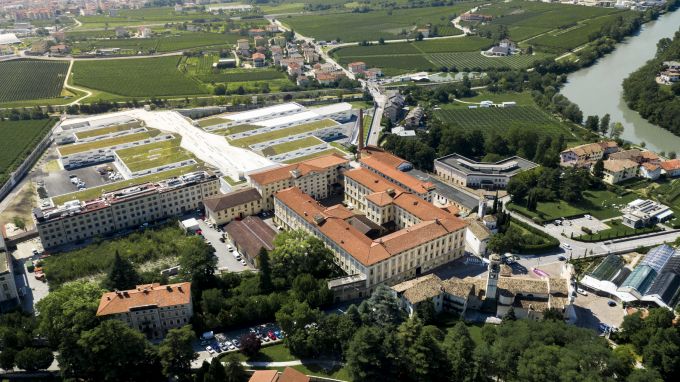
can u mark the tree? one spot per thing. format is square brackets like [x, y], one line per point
[592, 123]
[616, 130]
[19, 223]
[553, 314]
[458, 346]
[234, 370]
[216, 372]
[176, 353]
[382, 308]
[604, 124]
[366, 359]
[265, 274]
[122, 275]
[598, 169]
[115, 352]
[250, 344]
[662, 353]
[198, 265]
[31, 359]
[7, 358]
[425, 310]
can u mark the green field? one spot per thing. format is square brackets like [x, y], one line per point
[31, 79]
[291, 146]
[153, 155]
[526, 19]
[145, 77]
[461, 53]
[601, 204]
[475, 60]
[235, 129]
[163, 43]
[95, 192]
[108, 142]
[616, 230]
[389, 24]
[107, 130]
[19, 139]
[282, 133]
[566, 39]
[501, 119]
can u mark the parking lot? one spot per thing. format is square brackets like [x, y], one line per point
[593, 310]
[230, 341]
[59, 183]
[226, 260]
[573, 226]
[33, 290]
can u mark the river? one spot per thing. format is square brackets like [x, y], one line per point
[597, 90]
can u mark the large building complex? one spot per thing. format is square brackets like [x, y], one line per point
[124, 208]
[397, 235]
[465, 172]
[224, 208]
[8, 286]
[394, 169]
[152, 308]
[317, 177]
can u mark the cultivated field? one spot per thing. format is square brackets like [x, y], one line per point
[501, 119]
[164, 43]
[153, 77]
[525, 19]
[31, 79]
[82, 147]
[404, 57]
[153, 155]
[474, 60]
[18, 141]
[389, 24]
[281, 133]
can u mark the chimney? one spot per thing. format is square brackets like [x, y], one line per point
[361, 132]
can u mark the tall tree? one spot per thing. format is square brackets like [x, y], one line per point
[604, 124]
[598, 169]
[122, 276]
[458, 346]
[366, 360]
[216, 372]
[31, 359]
[234, 370]
[176, 353]
[592, 123]
[265, 273]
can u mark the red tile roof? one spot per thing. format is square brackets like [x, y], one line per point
[388, 164]
[144, 295]
[671, 165]
[305, 167]
[264, 376]
[291, 375]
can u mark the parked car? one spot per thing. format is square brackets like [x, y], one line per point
[271, 336]
[224, 347]
[236, 343]
[611, 303]
[561, 258]
[243, 262]
[581, 292]
[210, 350]
[566, 245]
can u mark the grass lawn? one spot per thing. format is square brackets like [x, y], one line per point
[236, 129]
[153, 155]
[292, 146]
[211, 121]
[281, 133]
[107, 130]
[522, 99]
[601, 204]
[316, 155]
[95, 192]
[616, 230]
[82, 147]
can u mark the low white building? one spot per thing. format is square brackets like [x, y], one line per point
[641, 213]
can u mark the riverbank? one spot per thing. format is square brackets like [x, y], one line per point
[598, 90]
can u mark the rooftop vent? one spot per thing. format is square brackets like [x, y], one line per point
[391, 192]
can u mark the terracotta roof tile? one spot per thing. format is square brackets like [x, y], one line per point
[232, 199]
[264, 376]
[671, 165]
[388, 164]
[617, 165]
[144, 295]
[304, 167]
[291, 375]
[371, 180]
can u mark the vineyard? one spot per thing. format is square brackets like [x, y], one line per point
[153, 77]
[19, 138]
[242, 76]
[389, 24]
[501, 119]
[162, 43]
[463, 60]
[393, 64]
[31, 79]
[570, 38]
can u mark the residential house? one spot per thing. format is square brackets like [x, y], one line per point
[238, 204]
[586, 155]
[260, 41]
[413, 118]
[272, 28]
[671, 168]
[372, 73]
[425, 32]
[357, 67]
[256, 32]
[477, 237]
[326, 78]
[618, 170]
[144, 32]
[280, 41]
[153, 309]
[310, 55]
[670, 76]
[302, 80]
[651, 171]
[294, 69]
[258, 60]
[59, 49]
[394, 105]
[288, 375]
[242, 44]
